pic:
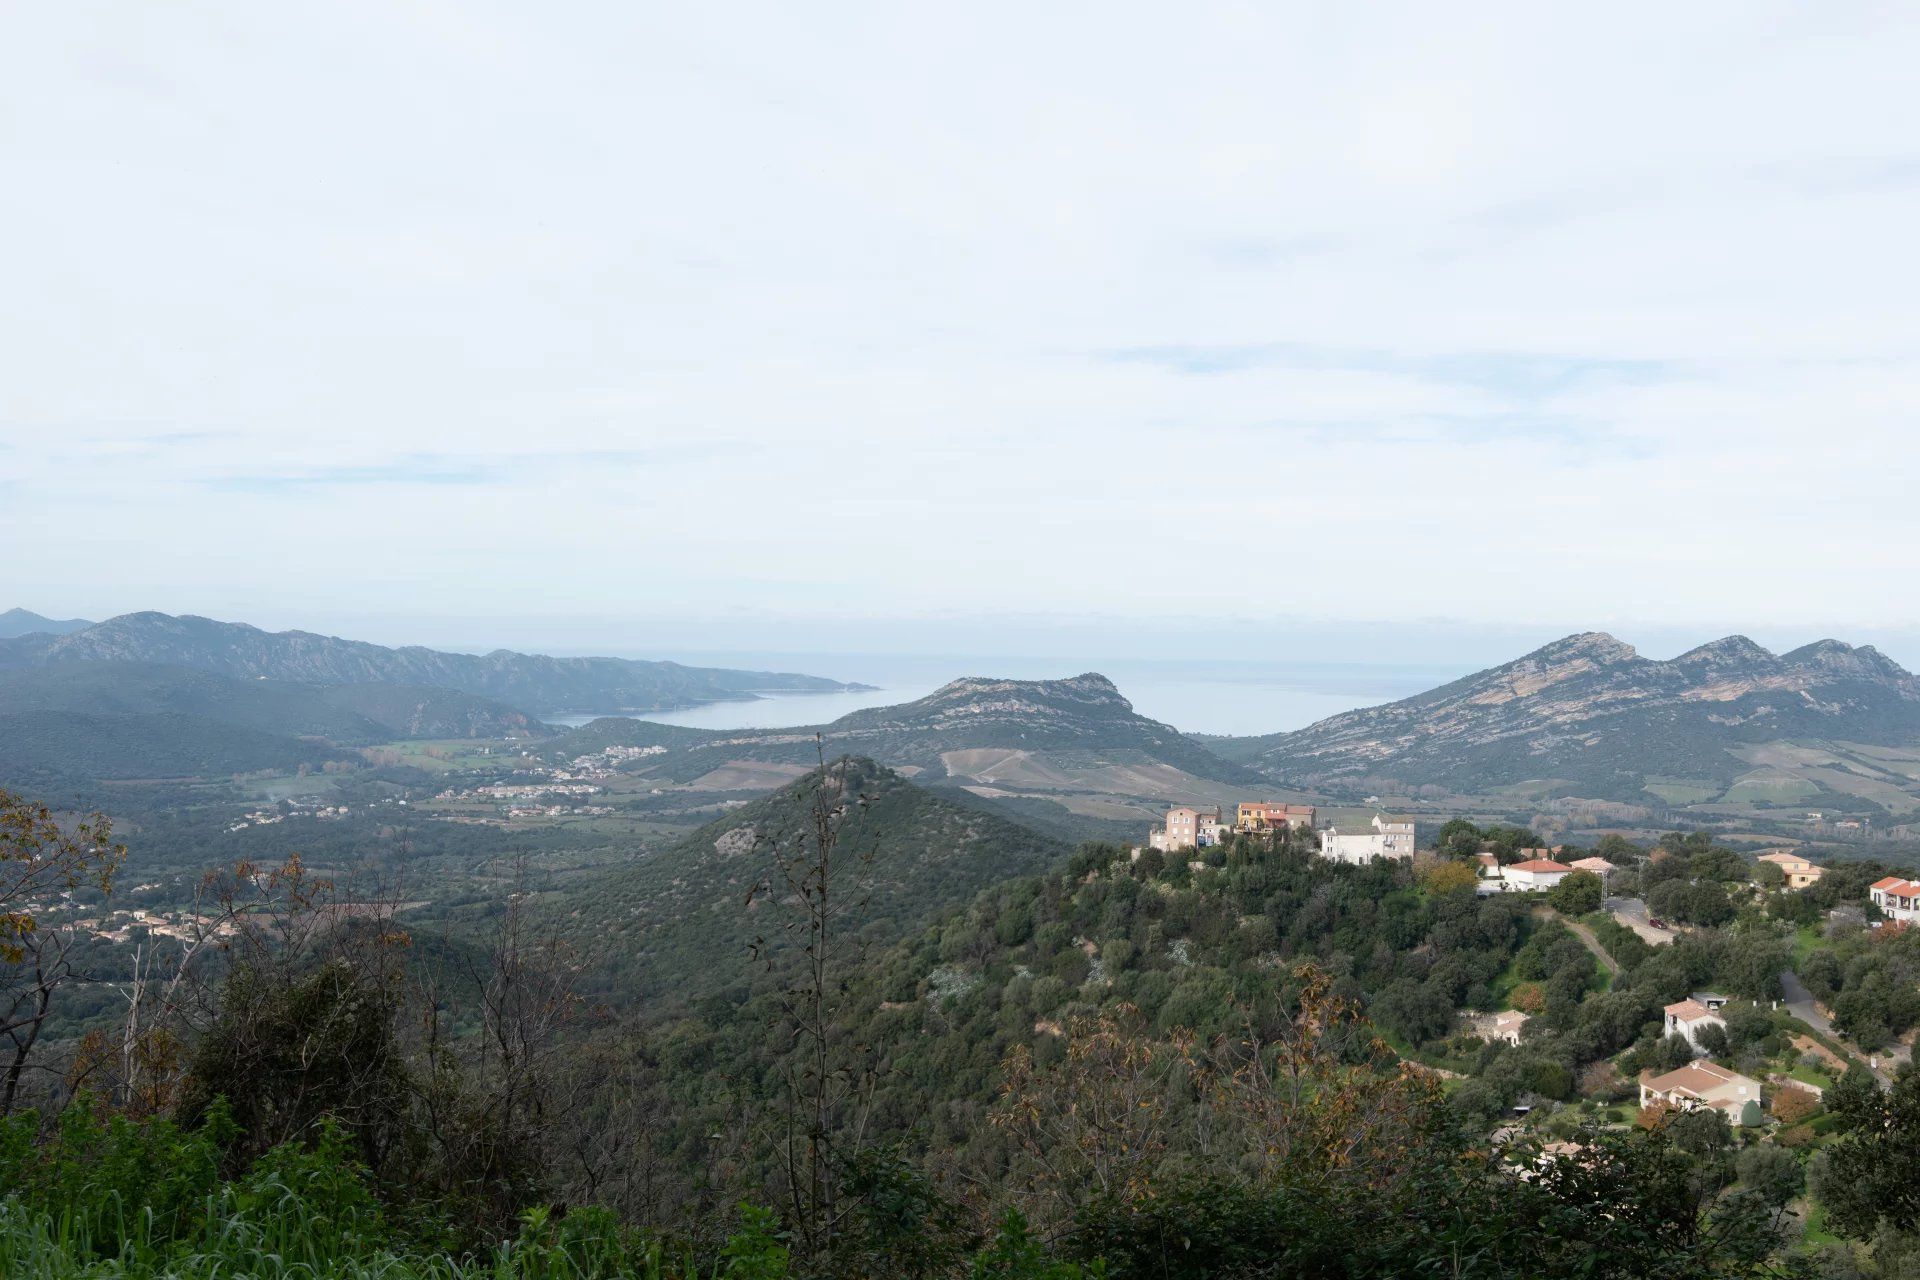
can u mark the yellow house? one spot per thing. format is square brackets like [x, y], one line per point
[1799, 872]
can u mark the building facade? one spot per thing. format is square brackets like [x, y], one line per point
[1688, 1019]
[1898, 899]
[1383, 838]
[1265, 815]
[1799, 872]
[1188, 828]
[1704, 1085]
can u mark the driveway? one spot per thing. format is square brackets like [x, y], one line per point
[1583, 933]
[1800, 1004]
[1632, 912]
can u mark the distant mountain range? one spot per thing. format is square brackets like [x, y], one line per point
[352, 714]
[24, 622]
[679, 921]
[532, 682]
[1591, 715]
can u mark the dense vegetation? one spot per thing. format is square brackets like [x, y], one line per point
[1242, 1061]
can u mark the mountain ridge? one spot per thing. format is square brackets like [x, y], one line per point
[534, 682]
[1589, 709]
[16, 622]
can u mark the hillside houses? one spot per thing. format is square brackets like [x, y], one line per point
[1689, 1020]
[1265, 815]
[1530, 876]
[1188, 828]
[1798, 871]
[1897, 899]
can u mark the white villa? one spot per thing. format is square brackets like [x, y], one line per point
[1701, 1084]
[1688, 1018]
[1899, 899]
[1385, 838]
[1530, 876]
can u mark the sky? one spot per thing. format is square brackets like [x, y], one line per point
[1396, 332]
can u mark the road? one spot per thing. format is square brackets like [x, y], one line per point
[1632, 913]
[1583, 933]
[1800, 1004]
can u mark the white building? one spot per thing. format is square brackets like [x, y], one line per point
[1534, 874]
[1688, 1019]
[1899, 899]
[1384, 838]
[1702, 1085]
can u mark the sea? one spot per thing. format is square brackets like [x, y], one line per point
[1232, 698]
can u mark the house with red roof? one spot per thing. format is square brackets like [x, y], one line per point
[1535, 874]
[1898, 899]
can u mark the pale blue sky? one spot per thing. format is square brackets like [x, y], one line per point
[1204, 329]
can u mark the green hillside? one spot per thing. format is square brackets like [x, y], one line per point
[680, 922]
[56, 750]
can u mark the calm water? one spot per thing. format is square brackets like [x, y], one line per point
[1198, 697]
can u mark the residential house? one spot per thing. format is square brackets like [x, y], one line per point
[1384, 838]
[1799, 872]
[1899, 899]
[1265, 815]
[1188, 828]
[1688, 1019]
[1598, 866]
[1702, 1084]
[1504, 1026]
[1534, 874]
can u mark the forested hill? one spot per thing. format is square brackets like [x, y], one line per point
[680, 922]
[1590, 711]
[348, 714]
[533, 682]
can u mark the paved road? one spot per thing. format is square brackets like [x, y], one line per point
[1801, 1005]
[1632, 913]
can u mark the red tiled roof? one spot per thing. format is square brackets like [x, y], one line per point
[1895, 885]
[1689, 1011]
[1539, 864]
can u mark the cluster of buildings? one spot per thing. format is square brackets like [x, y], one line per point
[302, 807]
[1191, 827]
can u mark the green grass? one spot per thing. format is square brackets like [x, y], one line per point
[1816, 1232]
[1682, 790]
[1808, 1075]
[1805, 939]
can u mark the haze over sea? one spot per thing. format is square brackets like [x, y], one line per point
[1237, 697]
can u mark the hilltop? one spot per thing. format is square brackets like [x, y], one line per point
[1726, 721]
[25, 622]
[680, 923]
[535, 682]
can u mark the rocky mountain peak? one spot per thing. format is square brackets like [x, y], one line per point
[1592, 646]
[1841, 660]
[1728, 652]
